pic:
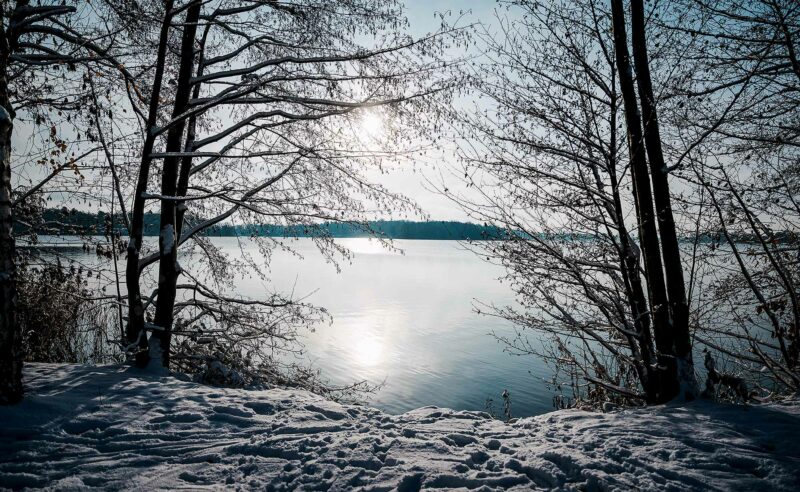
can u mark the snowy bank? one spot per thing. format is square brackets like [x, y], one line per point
[117, 428]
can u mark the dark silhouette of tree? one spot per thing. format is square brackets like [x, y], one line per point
[38, 44]
[665, 280]
[548, 166]
[734, 106]
[707, 178]
[261, 124]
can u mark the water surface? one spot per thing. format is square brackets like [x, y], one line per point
[409, 320]
[406, 320]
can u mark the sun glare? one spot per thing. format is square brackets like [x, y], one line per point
[372, 123]
[367, 351]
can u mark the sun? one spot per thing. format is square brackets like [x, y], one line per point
[371, 123]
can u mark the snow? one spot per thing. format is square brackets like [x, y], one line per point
[116, 427]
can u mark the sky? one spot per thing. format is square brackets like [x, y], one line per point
[413, 178]
[422, 16]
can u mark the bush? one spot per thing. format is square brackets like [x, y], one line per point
[60, 319]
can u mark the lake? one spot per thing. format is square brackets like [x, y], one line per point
[408, 320]
[405, 320]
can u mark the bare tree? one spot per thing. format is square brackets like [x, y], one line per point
[734, 107]
[711, 112]
[264, 127]
[665, 280]
[548, 165]
[37, 45]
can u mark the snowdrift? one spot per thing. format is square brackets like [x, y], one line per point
[114, 427]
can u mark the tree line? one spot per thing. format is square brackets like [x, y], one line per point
[73, 222]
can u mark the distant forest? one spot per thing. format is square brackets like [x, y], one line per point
[75, 222]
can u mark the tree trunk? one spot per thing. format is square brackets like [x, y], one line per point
[188, 146]
[668, 379]
[136, 334]
[629, 266]
[10, 336]
[168, 268]
[676, 289]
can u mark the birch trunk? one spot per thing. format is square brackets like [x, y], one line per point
[10, 336]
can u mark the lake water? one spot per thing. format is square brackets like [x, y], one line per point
[406, 320]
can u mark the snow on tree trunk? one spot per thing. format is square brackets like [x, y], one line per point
[136, 331]
[10, 336]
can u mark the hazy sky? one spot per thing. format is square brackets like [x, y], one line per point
[422, 16]
[410, 179]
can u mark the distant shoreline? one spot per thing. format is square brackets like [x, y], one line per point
[75, 223]
[64, 222]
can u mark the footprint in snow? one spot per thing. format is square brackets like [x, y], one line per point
[327, 412]
[261, 408]
[459, 440]
[177, 418]
[233, 415]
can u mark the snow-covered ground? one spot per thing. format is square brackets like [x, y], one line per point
[117, 428]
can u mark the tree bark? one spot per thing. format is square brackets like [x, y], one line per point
[629, 267]
[10, 336]
[136, 334]
[168, 268]
[637, 301]
[676, 290]
[188, 146]
[11, 355]
[668, 377]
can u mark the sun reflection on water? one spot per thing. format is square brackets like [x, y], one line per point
[367, 351]
[366, 342]
[361, 246]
